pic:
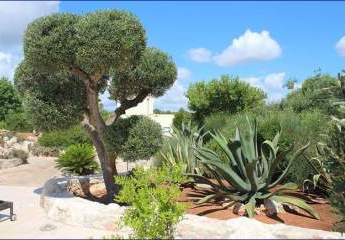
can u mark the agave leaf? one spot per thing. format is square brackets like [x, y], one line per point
[250, 207]
[223, 144]
[298, 203]
[297, 154]
[207, 198]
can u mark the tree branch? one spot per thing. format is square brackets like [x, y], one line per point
[126, 104]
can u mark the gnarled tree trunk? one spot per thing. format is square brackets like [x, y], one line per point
[95, 127]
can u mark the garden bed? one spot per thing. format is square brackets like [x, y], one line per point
[62, 206]
[214, 210]
[327, 216]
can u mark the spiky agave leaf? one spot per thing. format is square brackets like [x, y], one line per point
[296, 202]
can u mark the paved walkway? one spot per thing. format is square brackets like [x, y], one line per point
[22, 186]
[31, 220]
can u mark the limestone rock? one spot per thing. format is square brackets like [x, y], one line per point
[239, 209]
[10, 162]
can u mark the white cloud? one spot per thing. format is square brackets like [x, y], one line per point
[340, 46]
[183, 73]
[272, 84]
[247, 47]
[8, 63]
[175, 97]
[15, 16]
[200, 55]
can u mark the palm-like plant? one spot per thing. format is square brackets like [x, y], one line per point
[179, 148]
[247, 172]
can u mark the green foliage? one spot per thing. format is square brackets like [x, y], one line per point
[179, 149]
[152, 195]
[78, 159]
[18, 121]
[144, 140]
[107, 45]
[53, 100]
[182, 116]
[332, 153]
[297, 129]
[64, 138]
[9, 99]
[248, 170]
[134, 138]
[227, 94]
[312, 95]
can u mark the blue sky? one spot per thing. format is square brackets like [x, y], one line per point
[264, 43]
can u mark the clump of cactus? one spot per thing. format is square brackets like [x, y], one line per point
[246, 171]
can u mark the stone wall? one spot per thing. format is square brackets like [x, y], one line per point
[62, 206]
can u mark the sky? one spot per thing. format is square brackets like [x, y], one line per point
[263, 43]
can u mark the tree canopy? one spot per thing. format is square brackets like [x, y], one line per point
[70, 59]
[313, 94]
[9, 99]
[226, 94]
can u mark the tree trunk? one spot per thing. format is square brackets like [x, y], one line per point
[96, 128]
[106, 165]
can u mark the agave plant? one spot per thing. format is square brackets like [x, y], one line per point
[179, 148]
[247, 173]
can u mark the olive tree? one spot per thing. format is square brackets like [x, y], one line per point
[69, 60]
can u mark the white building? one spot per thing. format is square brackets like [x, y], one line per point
[146, 108]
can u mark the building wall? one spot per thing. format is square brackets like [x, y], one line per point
[146, 108]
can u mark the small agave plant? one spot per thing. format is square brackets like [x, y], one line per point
[246, 174]
[179, 148]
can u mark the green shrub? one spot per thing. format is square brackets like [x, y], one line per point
[18, 153]
[38, 150]
[332, 153]
[152, 195]
[182, 116]
[2, 125]
[297, 129]
[144, 140]
[134, 138]
[18, 121]
[64, 138]
[78, 159]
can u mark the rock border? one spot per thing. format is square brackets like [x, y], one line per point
[62, 206]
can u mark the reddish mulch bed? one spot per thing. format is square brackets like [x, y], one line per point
[327, 217]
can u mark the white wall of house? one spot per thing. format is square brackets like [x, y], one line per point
[146, 108]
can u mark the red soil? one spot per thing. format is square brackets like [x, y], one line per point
[327, 217]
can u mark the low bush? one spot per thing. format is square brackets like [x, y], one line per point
[64, 138]
[18, 121]
[78, 159]
[18, 153]
[182, 116]
[134, 138]
[152, 195]
[144, 140]
[38, 150]
[332, 154]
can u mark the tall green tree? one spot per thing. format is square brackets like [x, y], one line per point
[69, 60]
[9, 99]
[226, 94]
[312, 95]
